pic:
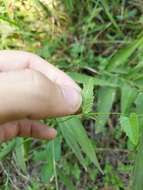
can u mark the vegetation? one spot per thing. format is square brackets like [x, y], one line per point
[99, 43]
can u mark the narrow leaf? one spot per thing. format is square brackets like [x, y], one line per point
[108, 12]
[121, 56]
[20, 154]
[76, 129]
[71, 141]
[105, 99]
[128, 95]
[81, 78]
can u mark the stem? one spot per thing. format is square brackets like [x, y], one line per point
[54, 167]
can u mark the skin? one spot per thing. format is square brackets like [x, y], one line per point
[33, 89]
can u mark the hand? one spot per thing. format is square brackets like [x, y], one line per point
[32, 89]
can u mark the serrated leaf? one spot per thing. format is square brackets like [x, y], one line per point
[88, 96]
[128, 95]
[105, 99]
[74, 128]
[71, 141]
[130, 126]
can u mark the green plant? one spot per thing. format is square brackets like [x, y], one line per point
[99, 44]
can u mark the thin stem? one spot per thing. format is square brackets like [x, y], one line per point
[54, 167]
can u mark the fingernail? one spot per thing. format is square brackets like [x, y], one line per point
[73, 97]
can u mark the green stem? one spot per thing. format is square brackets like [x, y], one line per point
[54, 167]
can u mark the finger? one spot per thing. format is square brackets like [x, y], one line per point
[11, 60]
[26, 128]
[29, 94]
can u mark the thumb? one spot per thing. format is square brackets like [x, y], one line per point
[29, 94]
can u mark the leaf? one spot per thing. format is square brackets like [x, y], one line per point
[52, 153]
[88, 96]
[6, 148]
[20, 154]
[135, 127]
[47, 171]
[81, 78]
[139, 103]
[66, 181]
[138, 174]
[108, 12]
[71, 141]
[105, 99]
[69, 4]
[74, 128]
[128, 95]
[121, 57]
[131, 127]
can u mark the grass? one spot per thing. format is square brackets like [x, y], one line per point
[100, 45]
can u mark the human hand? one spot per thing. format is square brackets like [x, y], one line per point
[32, 89]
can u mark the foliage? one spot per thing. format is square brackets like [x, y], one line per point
[100, 45]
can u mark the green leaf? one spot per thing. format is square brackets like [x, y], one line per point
[139, 103]
[47, 171]
[53, 153]
[135, 127]
[138, 174]
[108, 12]
[81, 78]
[128, 95]
[71, 141]
[69, 4]
[6, 148]
[74, 128]
[20, 154]
[105, 99]
[66, 181]
[131, 127]
[88, 96]
[121, 57]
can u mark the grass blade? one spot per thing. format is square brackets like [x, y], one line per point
[107, 11]
[121, 57]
